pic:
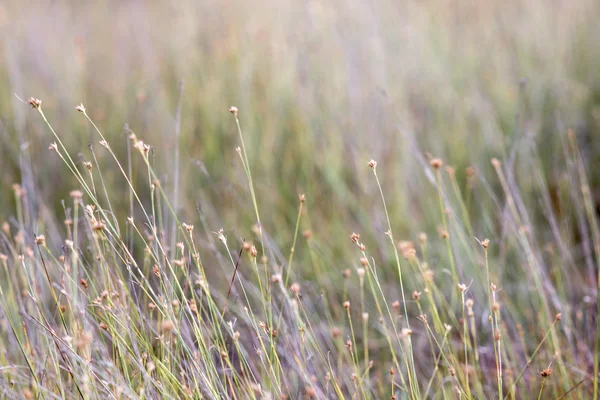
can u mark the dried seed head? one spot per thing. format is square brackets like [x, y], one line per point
[295, 288]
[392, 372]
[462, 287]
[354, 237]
[396, 305]
[452, 371]
[406, 332]
[40, 240]
[498, 336]
[88, 165]
[469, 303]
[80, 108]
[35, 103]
[253, 252]
[485, 243]
[233, 110]
[416, 295]
[436, 163]
[53, 147]
[448, 328]
[496, 306]
[76, 194]
[558, 317]
[336, 332]
[275, 278]
[362, 247]
[302, 198]
[546, 373]
[444, 234]
[167, 326]
[103, 326]
[347, 305]
[372, 164]
[364, 262]
[84, 283]
[360, 272]
[493, 287]
[188, 228]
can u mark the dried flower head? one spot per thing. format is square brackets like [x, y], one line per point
[436, 163]
[233, 110]
[53, 147]
[80, 108]
[462, 287]
[546, 373]
[302, 198]
[354, 237]
[295, 288]
[253, 252]
[485, 243]
[416, 295]
[35, 103]
[167, 326]
[188, 228]
[363, 261]
[40, 240]
[346, 305]
[372, 164]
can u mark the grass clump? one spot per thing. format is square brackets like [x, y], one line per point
[136, 303]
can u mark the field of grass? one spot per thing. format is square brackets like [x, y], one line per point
[299, 199]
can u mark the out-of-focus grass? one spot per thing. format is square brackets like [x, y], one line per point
[321, 88]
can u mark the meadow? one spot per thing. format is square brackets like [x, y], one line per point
[283, 199]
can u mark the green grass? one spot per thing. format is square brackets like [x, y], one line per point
[202, 251]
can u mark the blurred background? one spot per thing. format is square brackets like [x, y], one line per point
[321, 87]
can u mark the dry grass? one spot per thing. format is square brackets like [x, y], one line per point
[258, 253]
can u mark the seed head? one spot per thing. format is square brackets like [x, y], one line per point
[188, 228]
[76, 194]
[354, 237]
[372, 164]
[485, 243]
[302, 198]
[295, 288]
[80, 108]
[546, 373]
[40, 240]
[253, 252]
[347, 305]
[53, 147]
[558, 317]
[35, 103]
[436, 163]
[364, 262]
[360, 272]
[234, 111]
[416, 295]
[167, 326]
[336, 332]
[462, 287]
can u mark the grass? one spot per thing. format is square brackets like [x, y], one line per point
[258, 253]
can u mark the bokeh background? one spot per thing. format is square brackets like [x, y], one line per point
[322, 87]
